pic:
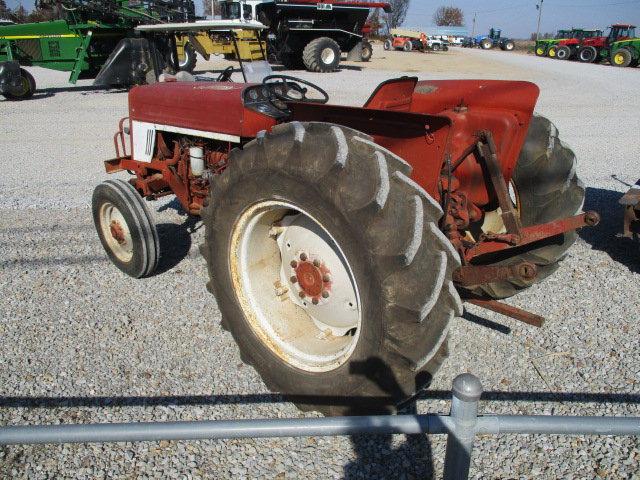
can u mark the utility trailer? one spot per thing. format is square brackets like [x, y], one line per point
[309, 34]
[341, 241]
[81, 42]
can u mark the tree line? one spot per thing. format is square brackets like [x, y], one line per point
[380, 21]
[21, 15]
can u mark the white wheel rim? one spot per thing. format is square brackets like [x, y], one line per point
[308, 313]
[116, 232]
[328, 56]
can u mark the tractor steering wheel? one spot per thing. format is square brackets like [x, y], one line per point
[292, 92]
[225, 75]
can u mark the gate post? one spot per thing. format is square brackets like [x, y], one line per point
[466, 390]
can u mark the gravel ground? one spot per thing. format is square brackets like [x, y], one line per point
[82, 342]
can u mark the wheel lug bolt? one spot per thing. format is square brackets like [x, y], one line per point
[326, 278]
[325, 294]
[302, 294]
[303, 257]
[314, 301]
[316, 263]
[293, 264]
[294, 279]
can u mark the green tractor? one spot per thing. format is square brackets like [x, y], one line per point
[544, 44]
[81, 42]
[626, 53]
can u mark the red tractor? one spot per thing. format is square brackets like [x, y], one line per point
[598, 48]
[567, 49]
[340, 241]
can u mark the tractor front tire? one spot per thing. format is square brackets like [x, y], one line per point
[552, 52]
[388, 45]
[322, 55]
[125, 228]
[189, 60]
[407, 46]
[588, 54]
[622, 58]
[547, 188]
[327, 201]
[486, 44]
[27, 87]
[541, 51]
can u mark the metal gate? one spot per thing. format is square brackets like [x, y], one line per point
[461, 426]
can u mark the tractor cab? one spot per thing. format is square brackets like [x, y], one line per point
[621, 32]
[243, 10]
[495, 33]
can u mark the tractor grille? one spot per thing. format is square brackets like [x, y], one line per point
[30, 48]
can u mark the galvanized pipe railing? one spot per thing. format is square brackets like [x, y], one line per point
[461, 426]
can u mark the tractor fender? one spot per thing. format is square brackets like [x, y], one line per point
[9, 76]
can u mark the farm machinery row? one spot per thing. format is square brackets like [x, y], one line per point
[340, 242]
[303, 34]
[621, 47]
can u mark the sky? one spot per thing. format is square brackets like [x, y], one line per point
[517, 18]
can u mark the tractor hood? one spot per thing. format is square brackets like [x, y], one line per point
[197, 106]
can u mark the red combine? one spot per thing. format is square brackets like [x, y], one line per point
[340, 240]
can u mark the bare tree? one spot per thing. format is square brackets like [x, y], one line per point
[448, 17]
[20, 14]
[398, 13]
[5, 13]
[375, 22]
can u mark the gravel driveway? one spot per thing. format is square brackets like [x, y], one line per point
[81, 342]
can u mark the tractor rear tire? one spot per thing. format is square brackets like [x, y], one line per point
[322, 55]
[508, 46]
[486, 44]
[547, 189]
[125, 228]
[588, 54]
[552, 52]
[563, 53]
[622, 58]
[28, 87]
[383, 229]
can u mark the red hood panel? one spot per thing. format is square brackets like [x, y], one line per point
[209, 106]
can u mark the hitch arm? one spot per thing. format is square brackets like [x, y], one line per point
[536, 233]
